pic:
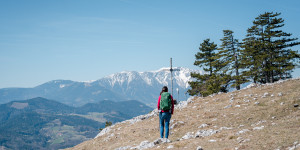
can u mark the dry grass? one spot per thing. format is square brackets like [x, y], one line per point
[276, 115]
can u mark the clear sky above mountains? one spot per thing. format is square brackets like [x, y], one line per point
[87, 40]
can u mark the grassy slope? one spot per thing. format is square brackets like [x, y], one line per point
[277, 114]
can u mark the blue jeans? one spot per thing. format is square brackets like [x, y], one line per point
[164, 122]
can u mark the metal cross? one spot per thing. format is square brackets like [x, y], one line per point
[171, 70]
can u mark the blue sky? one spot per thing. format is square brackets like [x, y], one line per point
[86, 40]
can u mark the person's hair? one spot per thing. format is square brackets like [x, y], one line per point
[164, 89]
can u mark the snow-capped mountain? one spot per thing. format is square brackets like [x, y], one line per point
[127, 85]
[146, 86]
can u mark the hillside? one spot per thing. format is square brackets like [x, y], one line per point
[46, 124]
[258, 117]
[42, 124]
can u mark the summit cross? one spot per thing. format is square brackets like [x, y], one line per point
[171, 71]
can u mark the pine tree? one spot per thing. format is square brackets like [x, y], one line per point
[212, 81]
[251, 60]
[206, 56]
[229, 52]
[266, 55]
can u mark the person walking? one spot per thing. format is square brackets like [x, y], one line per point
[165, 106]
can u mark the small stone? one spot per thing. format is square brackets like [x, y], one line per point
[296, 105]
[280, 94]
[203, 125]
[199, 148]
[242, 131]
[177, 124]
[170, 146]
[204, 133]
[256, 103]
[158, 141]
[258, 128]
[239, 139]
[225, 128]
[188, 136]
[296, 142]
[123, 148]
[228, 106]
[246, 100]
[266, 94]
[281, 103]
[167, 140]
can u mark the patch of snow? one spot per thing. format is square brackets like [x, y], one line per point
[89, 81]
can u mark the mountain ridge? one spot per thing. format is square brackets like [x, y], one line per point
[127, 85]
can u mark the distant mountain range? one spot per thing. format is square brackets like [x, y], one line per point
[130, 85]
[40, 123]
[30, 120]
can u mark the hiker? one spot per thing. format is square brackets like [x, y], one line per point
[165, 106]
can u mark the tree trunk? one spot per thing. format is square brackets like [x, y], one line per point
[238, 87]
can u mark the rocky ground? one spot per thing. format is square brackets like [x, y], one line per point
[258, 117]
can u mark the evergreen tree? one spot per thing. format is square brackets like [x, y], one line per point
[266, 50]
[229, 52]
[251, 57]
[108, 123]
[212, 81]
[206, 56]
